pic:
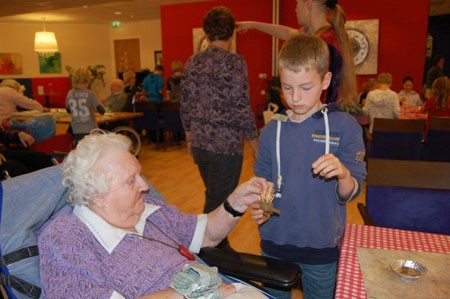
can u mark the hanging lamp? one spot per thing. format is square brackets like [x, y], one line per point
[45, 42]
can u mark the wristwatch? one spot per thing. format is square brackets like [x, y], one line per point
[229, 209]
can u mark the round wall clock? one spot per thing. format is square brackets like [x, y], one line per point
[360, 45]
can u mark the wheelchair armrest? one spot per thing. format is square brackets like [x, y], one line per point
[365, 215]
[270, 271]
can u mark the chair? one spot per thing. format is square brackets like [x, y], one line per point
[410, 195]
[150, 121]
[19, 260]
[398, 139]
[437, 145]
[171, 121]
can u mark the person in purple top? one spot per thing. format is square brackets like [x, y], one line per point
[215, 109]
[116, 241]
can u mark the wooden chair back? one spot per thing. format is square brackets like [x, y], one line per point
[398, 139]
[411, 195]
[437, 145]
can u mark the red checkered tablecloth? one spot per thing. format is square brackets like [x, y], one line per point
[350, 283]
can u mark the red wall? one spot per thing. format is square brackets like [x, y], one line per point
[401, 38]
[403, 30]
[57, 87]
[178, 20]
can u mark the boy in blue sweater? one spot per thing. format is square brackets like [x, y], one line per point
[314, 154]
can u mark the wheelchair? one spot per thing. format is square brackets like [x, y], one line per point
[41, 195]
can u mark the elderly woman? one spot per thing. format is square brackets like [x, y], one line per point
[11, 97]
[117, 241]
[118, 99]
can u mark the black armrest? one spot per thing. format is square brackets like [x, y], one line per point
[270, 271]
[365, 215]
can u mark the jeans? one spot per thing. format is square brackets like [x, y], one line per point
[318, 282]
[220, 174]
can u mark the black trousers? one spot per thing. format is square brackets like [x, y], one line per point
[220, 174]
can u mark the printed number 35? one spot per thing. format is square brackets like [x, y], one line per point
[78, 107]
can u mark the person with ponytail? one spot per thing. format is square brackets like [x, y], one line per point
[326, 19]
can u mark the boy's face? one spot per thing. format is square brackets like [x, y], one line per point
[302, 91]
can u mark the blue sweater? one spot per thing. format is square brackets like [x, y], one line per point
[312, 217]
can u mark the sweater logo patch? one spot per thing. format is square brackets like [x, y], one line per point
[359, 156]
[320, 137]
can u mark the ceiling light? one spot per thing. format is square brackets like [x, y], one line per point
[45, 42]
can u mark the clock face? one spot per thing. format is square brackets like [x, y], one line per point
[359, 44]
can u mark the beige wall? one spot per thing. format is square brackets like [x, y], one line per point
[149, 34]
[79, 45]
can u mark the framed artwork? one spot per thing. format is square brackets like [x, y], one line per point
[158, 58]
[200, 42]
[127, 54]
[50, 64]
[363, 36]
[10, 63]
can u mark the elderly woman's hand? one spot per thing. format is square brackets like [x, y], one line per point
[26, 139]
[227, 290]
[247, 193]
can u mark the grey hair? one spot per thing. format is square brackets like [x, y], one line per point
[81, 173]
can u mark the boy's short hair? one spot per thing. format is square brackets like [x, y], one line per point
[385, 78]
[305, 52]
[218, 24]
[177, 66]
[81, 76]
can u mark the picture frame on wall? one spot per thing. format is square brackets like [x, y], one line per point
[158, 58]
[50, 64]
[363, 35]
[10, 64]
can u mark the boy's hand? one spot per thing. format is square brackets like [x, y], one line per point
[329, 166]
[258, 214]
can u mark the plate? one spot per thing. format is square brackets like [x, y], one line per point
[408, 269]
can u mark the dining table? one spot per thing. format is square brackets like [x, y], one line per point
[350, 283]
[63, 118]
[412, 112]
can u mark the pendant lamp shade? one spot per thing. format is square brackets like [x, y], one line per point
[45, 43]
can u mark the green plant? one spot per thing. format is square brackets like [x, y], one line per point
[350, 107]
[97, 73]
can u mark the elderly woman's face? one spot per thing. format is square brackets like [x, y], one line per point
[123, 205]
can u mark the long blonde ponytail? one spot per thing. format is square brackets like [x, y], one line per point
[347, 85]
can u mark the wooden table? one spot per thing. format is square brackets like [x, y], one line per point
[412, 112]
[63, 118]
[349, 279]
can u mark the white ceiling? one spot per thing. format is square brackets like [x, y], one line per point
[106, 11]
[82, 11]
